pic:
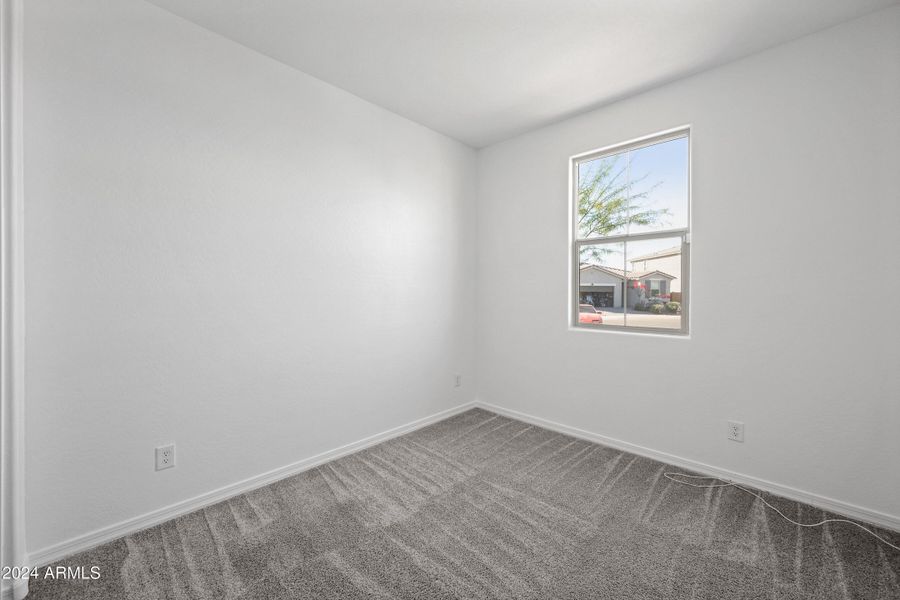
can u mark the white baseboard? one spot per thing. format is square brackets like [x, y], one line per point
[56, 552]
[87, 541]
[879, 519]
[13, 591]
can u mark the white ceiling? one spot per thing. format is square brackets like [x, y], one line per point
[484, 70]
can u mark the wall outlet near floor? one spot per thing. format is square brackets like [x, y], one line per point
[735, 431]
[457, 380]
[165, 457]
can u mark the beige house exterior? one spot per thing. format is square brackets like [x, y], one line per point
[601, 286]
[667, 261]
[605, 287]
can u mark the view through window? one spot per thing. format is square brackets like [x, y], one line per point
[632, 234]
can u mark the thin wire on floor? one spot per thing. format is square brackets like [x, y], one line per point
[674, 477]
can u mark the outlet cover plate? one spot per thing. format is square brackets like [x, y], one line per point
[165, 457]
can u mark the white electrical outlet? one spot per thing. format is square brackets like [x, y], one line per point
[165, 457]
[735, 431]
[457, 380]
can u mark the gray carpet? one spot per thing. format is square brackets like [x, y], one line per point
[481, 506]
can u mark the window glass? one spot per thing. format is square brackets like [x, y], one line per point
[659, 186]
[600, 282]
[654, 282]
[638, 198]
[603, 197]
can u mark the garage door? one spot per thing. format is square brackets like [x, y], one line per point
[600, 296]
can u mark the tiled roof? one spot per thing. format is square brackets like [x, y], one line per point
[621, 274]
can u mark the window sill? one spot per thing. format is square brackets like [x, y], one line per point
[643, 331]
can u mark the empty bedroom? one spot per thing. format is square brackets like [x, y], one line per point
[581, 299]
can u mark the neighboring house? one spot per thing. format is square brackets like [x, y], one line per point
[604, 287]
[667, 261]
[601, 286]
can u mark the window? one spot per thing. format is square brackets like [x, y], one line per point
[631, 232]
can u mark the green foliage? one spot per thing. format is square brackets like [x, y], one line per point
[673, 307]
[608, 201]
[657, 309]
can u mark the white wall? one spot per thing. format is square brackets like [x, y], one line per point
[193, 210]
[795, 199]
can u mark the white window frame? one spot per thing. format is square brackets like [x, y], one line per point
[576, 243]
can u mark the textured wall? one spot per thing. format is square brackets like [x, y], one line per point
[193, 212]
[795, 215]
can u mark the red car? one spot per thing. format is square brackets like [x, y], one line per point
[589, 315]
